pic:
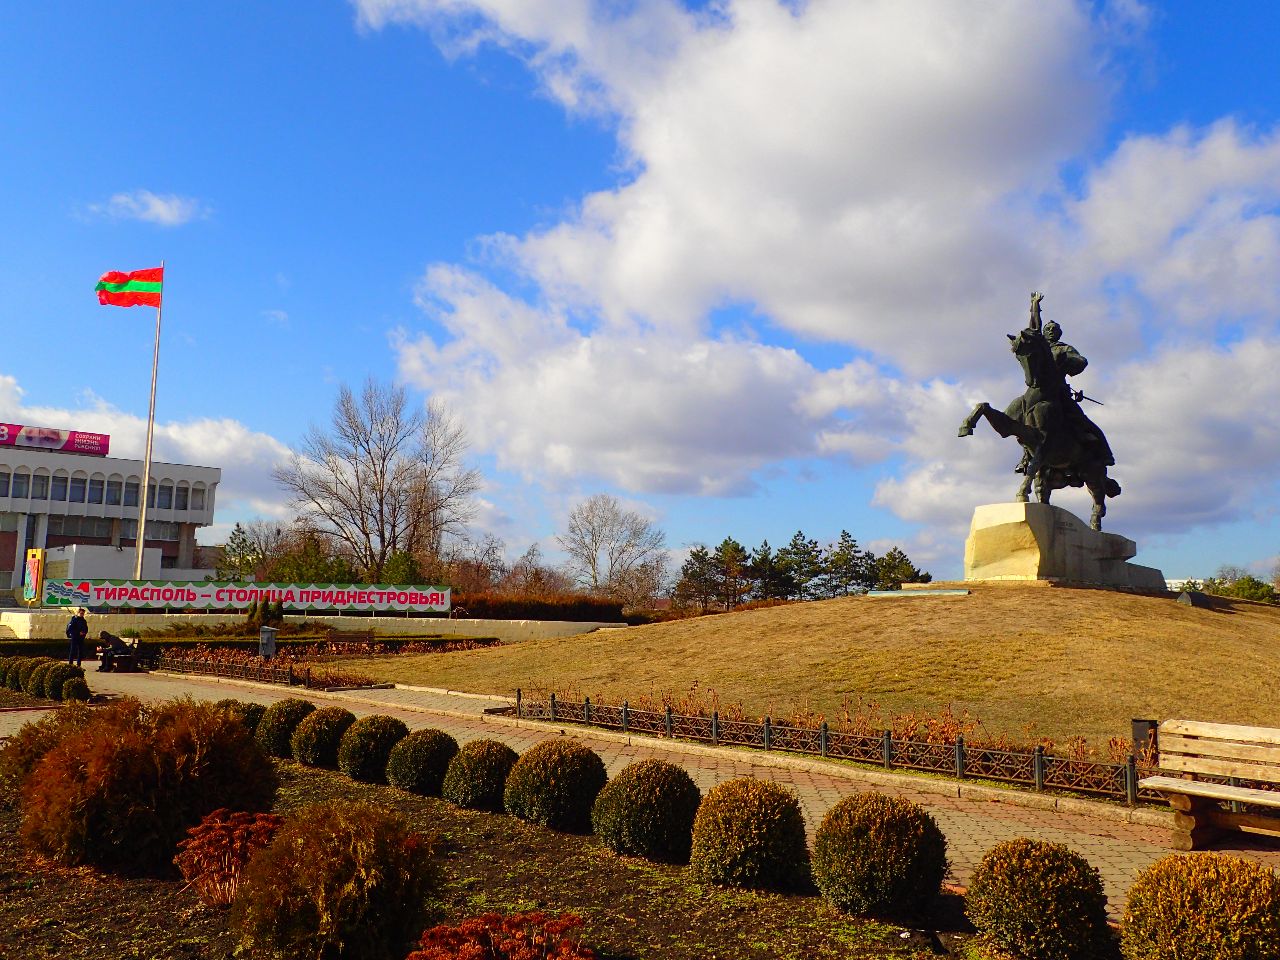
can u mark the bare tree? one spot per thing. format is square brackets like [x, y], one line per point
[384, 478]
[614, 551]
[529, 576]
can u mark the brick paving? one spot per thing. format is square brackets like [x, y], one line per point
[972, 825]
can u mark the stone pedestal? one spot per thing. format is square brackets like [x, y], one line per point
[1038, 541]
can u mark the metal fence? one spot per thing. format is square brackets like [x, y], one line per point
[1035, 769]
[262, 673]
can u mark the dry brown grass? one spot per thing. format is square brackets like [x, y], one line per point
[1025, 660]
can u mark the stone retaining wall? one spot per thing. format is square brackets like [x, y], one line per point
[34, 625]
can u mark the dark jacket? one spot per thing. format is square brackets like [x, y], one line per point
[77, 628]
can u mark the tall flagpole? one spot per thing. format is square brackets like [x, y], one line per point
[151, 425]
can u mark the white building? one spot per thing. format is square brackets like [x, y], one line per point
[51, 498]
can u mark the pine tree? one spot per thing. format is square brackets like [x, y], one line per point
[769, 580]
[732, 586]
[848, 568]
[801, 560]
[239, 557]
[895, 568]
[698, 580]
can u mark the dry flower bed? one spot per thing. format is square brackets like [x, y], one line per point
[631, 908]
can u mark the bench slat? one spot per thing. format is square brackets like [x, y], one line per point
[1213, 791]
[1221, 768]
[1221, 749]
[1221, 731]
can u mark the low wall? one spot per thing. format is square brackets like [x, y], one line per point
[33, 625]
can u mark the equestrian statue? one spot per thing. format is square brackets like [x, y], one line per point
[1061, 446]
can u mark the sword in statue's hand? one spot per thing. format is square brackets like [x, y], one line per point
[1078, 395]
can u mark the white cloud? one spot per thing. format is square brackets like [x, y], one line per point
[166, 210]
[885, 176]
[246, 457]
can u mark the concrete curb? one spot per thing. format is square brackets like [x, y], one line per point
[959, 789]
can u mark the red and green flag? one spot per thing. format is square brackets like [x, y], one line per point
[141, 288]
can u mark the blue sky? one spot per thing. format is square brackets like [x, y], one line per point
[744, 265]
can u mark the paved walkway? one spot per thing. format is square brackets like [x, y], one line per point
[972, 825]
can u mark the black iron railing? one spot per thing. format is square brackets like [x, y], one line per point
[1034, 769]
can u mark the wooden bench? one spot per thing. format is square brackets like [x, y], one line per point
[1191, 749]
[123, 662]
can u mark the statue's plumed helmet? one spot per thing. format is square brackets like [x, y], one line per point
[1052, 330]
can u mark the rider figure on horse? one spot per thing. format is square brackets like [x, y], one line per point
[1070, 362]
[1062, 447]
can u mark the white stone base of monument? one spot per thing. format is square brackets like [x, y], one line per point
[1038, 541]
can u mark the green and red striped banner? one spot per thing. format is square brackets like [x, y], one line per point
[141, 288]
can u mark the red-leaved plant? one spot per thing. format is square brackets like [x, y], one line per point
[518, 936]
[216, 850]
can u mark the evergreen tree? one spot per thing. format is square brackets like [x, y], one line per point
[895, 568]
[698, 580]
[240, 557]
[801, 560]
[732, 584]
[769, 580]
[848, 568]
[401, 569]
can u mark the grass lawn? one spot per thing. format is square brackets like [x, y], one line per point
[1056, 662]
[632, 908]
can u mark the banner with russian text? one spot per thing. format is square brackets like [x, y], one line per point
[227, 595]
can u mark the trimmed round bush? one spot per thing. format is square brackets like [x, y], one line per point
[5, 664]
[1040, 901]
[477, 775]
[1202, 906]
[249, 714]
[76, 690]
[555, 783]
[875, 855]
[55, 677]
[750, 833]
[13, 676]
[419, 761]
[119, 793]
[339, 879]
[366, 746]
[275, 729]
[647, 810]
[13, 679]
[316, 740]
[33, 685]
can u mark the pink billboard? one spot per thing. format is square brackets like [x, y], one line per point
[47, 438]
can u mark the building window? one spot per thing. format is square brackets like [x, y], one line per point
[76, 490]
[131, 493]
[113, 493]
[95, 491]
[21, 482]
[56, 524]
[129, 529]
[197, 498]
[164, 500]
[168, 563]
[180, 498]
[162, 530]
[4, 484]
[40, 487]
[58, 489]
[101, 527]
[151, 494]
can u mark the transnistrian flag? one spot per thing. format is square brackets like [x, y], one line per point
[138, 289]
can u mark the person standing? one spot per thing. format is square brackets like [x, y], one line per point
[77, 630]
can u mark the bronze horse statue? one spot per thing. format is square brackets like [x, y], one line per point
[1061, 446]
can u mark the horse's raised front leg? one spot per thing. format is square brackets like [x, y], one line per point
[971, 421]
